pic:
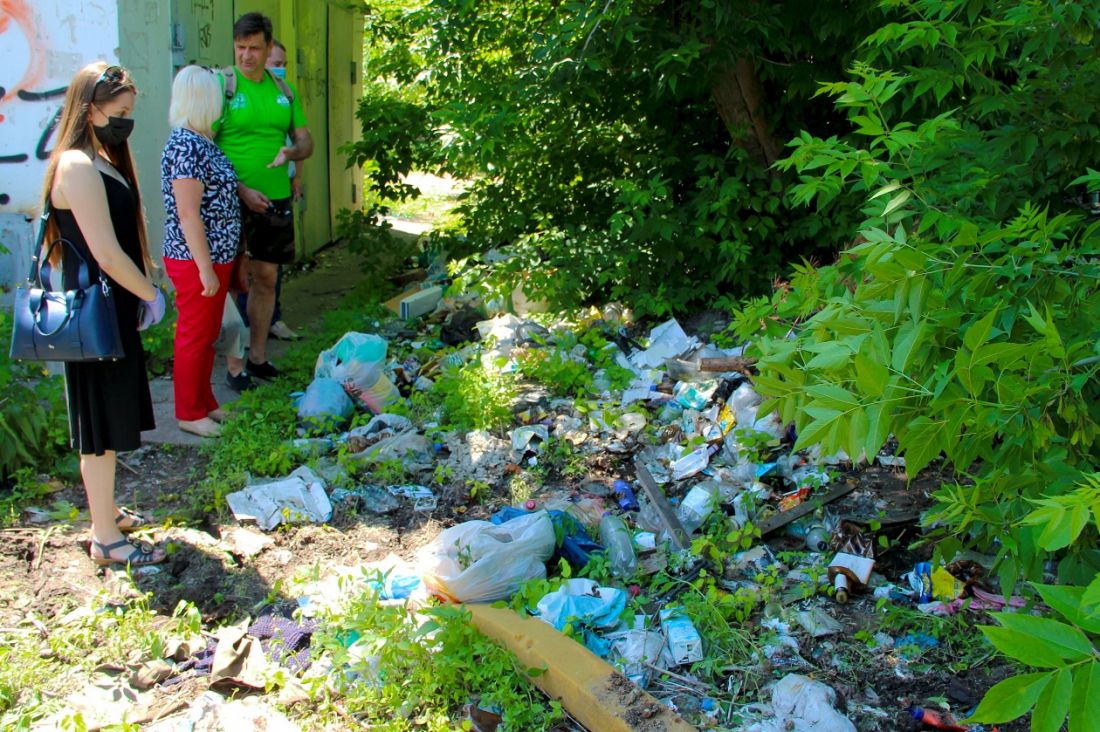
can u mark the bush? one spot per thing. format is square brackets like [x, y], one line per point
[603, 159]
[34, 430]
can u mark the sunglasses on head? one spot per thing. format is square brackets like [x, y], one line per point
[112, 74]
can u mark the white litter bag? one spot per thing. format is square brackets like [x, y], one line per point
[483, 562]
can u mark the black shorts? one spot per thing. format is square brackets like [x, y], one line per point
[269, 236]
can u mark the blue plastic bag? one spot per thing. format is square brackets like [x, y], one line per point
[325, 405]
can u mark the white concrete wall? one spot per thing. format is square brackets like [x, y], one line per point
[42, 43]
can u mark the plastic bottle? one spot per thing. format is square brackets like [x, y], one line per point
[619, 542]
[813, 530]
[817, 538]
[697, 505]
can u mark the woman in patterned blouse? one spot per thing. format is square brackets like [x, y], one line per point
[200, 240]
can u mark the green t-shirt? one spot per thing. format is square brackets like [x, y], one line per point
[254, 127]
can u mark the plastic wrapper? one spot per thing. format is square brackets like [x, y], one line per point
[298, 498]
[631, 650]
[582, 600]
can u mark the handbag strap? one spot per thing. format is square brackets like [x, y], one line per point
[42, 221]
[40, 263]
[83, 279]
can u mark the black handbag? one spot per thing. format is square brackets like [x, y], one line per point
[66, 325]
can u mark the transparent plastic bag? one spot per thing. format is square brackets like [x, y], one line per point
[483, 562]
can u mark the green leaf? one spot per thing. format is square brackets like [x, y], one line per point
[857, 433]
[1084, 705]
[889, 188]
[878, 429]
[896, 202]
[1067, 642]
[1011, 699]
[1053, 703]
[821, 428]
[978, 333]
[871, 375]
[1022, 647]
[1067, 601]
[923, 440]
[906, 343]
[831, 395]
[833, 357]
[1090, 600]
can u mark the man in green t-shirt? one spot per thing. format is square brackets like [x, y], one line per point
[253, 135]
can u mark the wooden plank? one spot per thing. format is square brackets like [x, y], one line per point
[593, 692]
[664, 511]
[783, 518]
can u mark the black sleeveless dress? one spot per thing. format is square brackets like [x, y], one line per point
[109, 401]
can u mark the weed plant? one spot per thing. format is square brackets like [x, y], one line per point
[476, 398]
[254, 441]
[33, 426]
[36, 671]
[255, 437]
[403, 671]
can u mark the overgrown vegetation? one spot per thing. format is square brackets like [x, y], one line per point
[407, 671]
[34, 429]
[598, 137]
[37, 668]
[966, 319]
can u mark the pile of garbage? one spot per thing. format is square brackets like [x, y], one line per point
[699, 473]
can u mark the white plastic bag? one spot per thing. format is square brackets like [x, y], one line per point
[483, 562]
[804, 705]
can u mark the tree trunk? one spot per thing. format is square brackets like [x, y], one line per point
[739, 96]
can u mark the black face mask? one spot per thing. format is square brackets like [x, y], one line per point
[115, 131]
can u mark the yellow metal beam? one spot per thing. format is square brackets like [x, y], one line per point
[597, 695]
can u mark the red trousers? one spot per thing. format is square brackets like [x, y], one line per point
[197, 327]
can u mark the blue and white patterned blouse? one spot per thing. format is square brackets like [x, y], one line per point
[187, 154]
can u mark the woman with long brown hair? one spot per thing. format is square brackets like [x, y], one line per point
[91, 189]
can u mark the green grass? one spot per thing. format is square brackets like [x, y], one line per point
[37, 669]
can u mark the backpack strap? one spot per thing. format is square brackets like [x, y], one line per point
[229, 76]
[229, 81]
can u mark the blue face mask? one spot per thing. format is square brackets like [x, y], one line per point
[279, 71]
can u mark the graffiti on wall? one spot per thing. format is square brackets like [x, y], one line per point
[37, 58]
